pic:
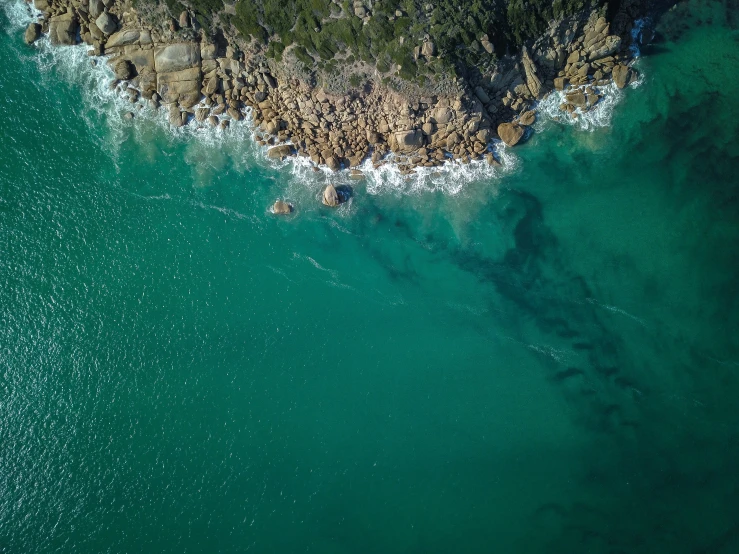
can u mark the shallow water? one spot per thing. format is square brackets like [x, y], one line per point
[541, 358]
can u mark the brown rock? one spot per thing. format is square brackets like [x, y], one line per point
[510, 133]
[123, 70]
[33, 32]
[279, 152]
[527, 118]
[560, 83]
[235, 114]
[330, 196]
[577, 99]
[620, 75]
[175, 116]
[281, 207]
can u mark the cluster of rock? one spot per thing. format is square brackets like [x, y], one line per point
[216, 79]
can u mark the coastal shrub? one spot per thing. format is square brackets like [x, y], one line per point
[455, 26]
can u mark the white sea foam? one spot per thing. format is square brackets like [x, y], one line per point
[19, 15]
[598, 116]
[636, 35]
[450, 178]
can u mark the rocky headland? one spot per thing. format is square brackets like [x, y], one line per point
[211, 76]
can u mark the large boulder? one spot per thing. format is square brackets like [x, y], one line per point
[406, 141]
[33, 32]
[621, 74]
[527, 118]
[609, 46]
[330, 196]
[95, 8]
[123, 70]
[428, 49]
[532, 80]
[175, 116]
[176, 57]
[63, 30]
[123, 38]
[510, 133]
[280, 207]
[180, 86]
[106, 23]
[279, 152]
[577, 99]
[442, 116]
[142, 58]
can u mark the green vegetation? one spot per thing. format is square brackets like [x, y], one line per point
[390, 33]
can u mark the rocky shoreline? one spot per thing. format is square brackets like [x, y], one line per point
[212, 78]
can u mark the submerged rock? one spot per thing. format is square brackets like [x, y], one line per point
[330, 196]
[510, 133]
[281, 207]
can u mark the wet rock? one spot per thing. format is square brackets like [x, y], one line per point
[577, 99]
[213, 120]
[330, 196]
[332, 163]
[129, 116]
[32, 34]
[527, 118]
[491, 159]
[281, 207]
[510, 133]
[175, 116]
[235, 114]
[621, 74]
[124, 70]
[279, 152]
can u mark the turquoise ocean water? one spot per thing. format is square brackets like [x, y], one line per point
[543, 359]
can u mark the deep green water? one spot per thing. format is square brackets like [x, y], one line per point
[542, 361]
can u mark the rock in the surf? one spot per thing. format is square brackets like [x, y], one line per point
[63, 30]
[33, 32]
[123, 70]
[621, 74]
[330, 196]
[527, 118]
[510, 133]
[175, 116]
[279, 152]
[281, 207]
